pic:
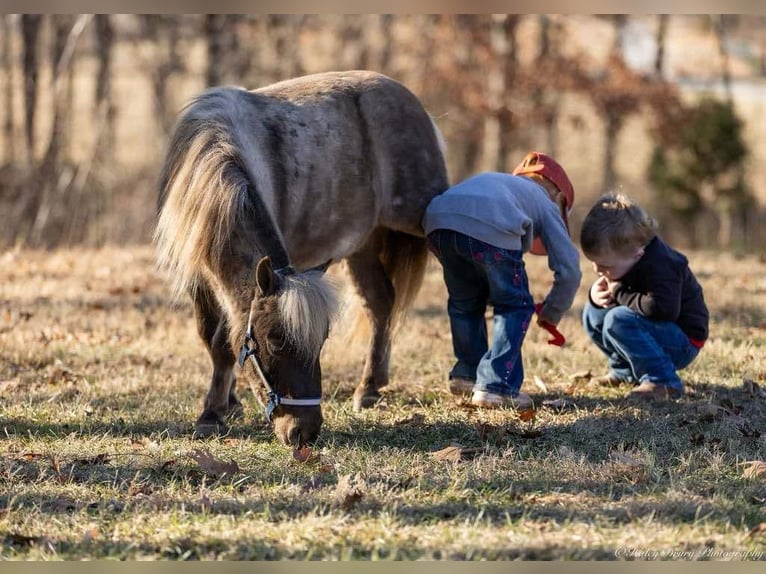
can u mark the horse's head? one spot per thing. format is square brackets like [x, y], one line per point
[289, 322]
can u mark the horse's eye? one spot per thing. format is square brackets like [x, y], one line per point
[275, 342]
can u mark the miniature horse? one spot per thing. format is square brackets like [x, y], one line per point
[260, 191]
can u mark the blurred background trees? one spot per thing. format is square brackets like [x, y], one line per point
[87, 102]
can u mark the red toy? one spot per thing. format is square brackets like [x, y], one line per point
[558, 338]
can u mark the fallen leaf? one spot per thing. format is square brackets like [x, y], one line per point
[579, 380]
[757, 529]
[527, 414]
[305, 454]
[756, 469]
[213, 466]
[455, 453]
[31, 456]
[540, 384]
[581, 376]
[349, 491]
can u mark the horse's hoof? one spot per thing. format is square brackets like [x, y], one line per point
[366, 401]
[209, 429]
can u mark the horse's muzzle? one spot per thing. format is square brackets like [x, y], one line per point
[297, 426]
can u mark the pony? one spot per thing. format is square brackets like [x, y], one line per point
[260, 191]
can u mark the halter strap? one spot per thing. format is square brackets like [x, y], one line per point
[248, 351]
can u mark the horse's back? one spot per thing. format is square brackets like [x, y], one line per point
[385, 141]
[333, 156]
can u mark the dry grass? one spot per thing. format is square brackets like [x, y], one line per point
[102, 379]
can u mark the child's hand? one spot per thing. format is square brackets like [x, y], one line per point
[601, 292]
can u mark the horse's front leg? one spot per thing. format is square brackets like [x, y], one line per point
[221, 402]
[377, 293]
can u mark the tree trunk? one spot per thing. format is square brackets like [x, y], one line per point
[613, 123]
[659, 58]
[30, 31]
[9, 144]
[104, 95]
[215, 31]
[719, 25]
[384, 58]
[509, 63]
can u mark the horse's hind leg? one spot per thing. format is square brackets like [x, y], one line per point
[221, 402]
[377, 293]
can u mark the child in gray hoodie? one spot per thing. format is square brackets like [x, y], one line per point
[479, 230]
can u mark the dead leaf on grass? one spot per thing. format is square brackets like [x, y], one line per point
[527, 414]
[578, 380]
[349, 491]
[755, 469]
[28, 456]
[456, 453]
[306, 455]
[213, 466]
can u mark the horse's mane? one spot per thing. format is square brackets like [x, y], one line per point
[308, 305]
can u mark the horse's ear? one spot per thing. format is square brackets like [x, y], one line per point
[265, 278]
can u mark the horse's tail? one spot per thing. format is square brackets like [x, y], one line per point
[404, 258]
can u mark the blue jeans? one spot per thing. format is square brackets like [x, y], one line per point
[638, 348]
[476, 275]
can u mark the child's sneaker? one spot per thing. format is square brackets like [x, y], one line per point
[495, 400]
[461, 387]
[648, 390]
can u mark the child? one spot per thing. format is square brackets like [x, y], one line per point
[479, 229]
[646, 310]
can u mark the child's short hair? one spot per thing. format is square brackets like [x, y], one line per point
[616, 224]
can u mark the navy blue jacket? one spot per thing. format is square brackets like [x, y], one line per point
[660, 286]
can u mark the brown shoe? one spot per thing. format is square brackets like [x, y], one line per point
[647, 390]
[610, 380]
[494, 400]
[461, 387]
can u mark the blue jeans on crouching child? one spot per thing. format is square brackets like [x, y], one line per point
[476, 275]
[638, 348]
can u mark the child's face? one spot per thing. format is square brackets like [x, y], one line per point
[614, 265]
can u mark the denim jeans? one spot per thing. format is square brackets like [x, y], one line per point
[638, 348]
[477, 275]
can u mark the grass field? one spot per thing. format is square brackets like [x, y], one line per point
[102, 378]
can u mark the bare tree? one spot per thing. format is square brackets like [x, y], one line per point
[719, 26]
[105, 105]
[30, 31]
[659, 58]
[504, 33]
[6, 32]
[164, 60]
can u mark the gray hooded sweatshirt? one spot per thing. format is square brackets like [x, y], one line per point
[509, 211]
